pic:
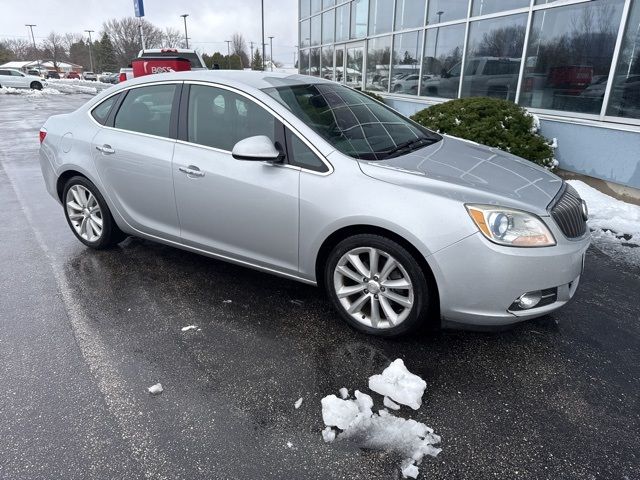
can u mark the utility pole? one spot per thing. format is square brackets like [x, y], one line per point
[228, 55]
[251, 59]
[90, 45]
[186, 37]
[33, 39]
[263, 53]
[271, 51]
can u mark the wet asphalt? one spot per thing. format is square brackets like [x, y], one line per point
[84, 333]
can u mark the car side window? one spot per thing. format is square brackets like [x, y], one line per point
[302, 156]
[101, 112]
[16, 74]
[220, 118]
[5, 72]
[147, 110]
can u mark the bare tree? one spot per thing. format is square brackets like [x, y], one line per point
[239, 48]
[172, 38]
[52, 46]
[125, 36]
[69, 39]
[21, 49]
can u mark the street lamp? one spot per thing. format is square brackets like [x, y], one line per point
[271, 51]
[228, 55]
[90, 42]
[263, 53]
[186, 37]
[33, 39]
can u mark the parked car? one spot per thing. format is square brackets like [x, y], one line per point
[73, 75]
[10, 77]
[277, 173]
[34, 72]
[90, 76]
[53, 74]
[197, 63]
[104, 77]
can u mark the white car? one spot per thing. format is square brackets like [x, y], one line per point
[10, 77]
[90, 76]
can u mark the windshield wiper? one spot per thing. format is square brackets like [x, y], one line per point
[407, 147]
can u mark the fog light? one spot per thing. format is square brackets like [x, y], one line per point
[529, 300]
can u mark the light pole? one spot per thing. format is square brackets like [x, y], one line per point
[33, 39]
[228, 55]
[271, 51]
[90, 55]
[251, 59]
[263, 53]
[186, 37]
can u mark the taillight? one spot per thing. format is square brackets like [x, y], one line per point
[43, 134]
[122, 77]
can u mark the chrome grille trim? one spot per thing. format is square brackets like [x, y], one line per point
[567, 213]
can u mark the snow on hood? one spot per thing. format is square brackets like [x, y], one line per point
[471, 167]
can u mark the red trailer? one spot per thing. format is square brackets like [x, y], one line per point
[151, 65]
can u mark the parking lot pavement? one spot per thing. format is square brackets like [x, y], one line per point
[84, 333]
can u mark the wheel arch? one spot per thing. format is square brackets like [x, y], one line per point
[345, 232]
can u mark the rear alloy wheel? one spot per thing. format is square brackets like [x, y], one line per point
[376, 285]
[88, 215]
[36, 86]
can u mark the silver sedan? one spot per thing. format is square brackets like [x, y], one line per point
[314, 181]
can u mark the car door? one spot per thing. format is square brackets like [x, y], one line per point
[19, 80]
[133, 154]
[245, 210]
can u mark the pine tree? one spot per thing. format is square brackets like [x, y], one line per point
[107, 55]
[256, 61]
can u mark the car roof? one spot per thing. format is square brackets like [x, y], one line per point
[238, 78]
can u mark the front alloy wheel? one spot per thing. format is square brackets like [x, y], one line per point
[376, 285]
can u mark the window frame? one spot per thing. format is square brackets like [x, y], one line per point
[110, 116]
[182, 133]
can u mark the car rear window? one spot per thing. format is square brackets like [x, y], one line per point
[101, 112]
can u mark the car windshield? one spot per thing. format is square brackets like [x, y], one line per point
[352, 122]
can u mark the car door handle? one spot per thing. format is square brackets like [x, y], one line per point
[192, 170]
[105, 149]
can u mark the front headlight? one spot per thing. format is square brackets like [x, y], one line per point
[513, 228]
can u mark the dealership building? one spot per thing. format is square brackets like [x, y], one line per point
[574, 63]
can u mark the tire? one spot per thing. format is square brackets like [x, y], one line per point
[399, 310]
[35, 86]
[85, 208]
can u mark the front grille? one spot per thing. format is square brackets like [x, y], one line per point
[567, 212]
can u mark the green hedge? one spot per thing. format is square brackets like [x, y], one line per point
[493, 122]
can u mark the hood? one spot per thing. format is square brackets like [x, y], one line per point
[470, 172]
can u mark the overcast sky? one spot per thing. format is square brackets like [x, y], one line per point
[210, 22]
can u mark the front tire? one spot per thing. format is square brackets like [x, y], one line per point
[36, 86]
[376, 285]
[88, 215]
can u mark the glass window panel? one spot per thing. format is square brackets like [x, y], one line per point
[625, 92]
[303, 156]
[305, 8]
[101, 112]
[147, 110]
[327, 63]
[405, 68]
[316, 31]
[409, 13]
[303, 63]
[342, 23]
[339, 75]
[354, 67]
[494, 54]
[359, 16]
[442, 61]
[316, 6]
[314, 67]
[380, 16]
[378, 62]
[328, 26]
[328, 3]
[484, 7]
[569, 56]
[305, 33]
[446, 10]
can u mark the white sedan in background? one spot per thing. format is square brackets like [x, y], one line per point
[10, 77]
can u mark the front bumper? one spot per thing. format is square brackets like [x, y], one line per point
[478, 280]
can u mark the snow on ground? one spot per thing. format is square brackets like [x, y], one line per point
[155, 389]
[615, 224]
[298, 403]
[356, 422]
[59, 87]
[189, 327]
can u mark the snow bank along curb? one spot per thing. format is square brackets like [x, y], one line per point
[621, 220]
[356, 422]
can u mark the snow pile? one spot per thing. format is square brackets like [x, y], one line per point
[28, 92]
[73, 85]
[383, 430]
[399, 384]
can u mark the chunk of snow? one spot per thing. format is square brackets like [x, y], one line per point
[338, 413]
[364, 402]
[190, 327]
[155, 389]
[390, 404]
[399, 384]
[344, 393]
[226, 301]
[328, 435]
[298, 403]
[554, 143]
[289, 444]
[409, 469]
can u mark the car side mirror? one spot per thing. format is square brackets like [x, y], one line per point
[259, 148]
